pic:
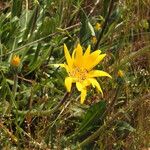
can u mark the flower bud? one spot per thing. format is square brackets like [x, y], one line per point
[15, 61]
[94, 40]
[120, 73]
[97, 26]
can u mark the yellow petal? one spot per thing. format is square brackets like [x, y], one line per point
[79, 86]
[86, 83]
[68, 83]
[83, 96]
[87, 52]
[79, 51]
[63, 66]
[98, 59]
[67, 55]
[98, 73]
[78, 60]
[95, 54]
[88, 60]
[95, 84]
[73, 55]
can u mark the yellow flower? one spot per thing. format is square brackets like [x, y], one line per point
[97, 26]
[120, 73]
[94, 39]
[80, 66]
[15, 61]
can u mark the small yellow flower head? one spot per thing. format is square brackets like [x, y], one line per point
[94, 39]
[15, 62]
[97, 26]
[120, 73]
[80, 70]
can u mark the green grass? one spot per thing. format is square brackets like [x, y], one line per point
[35, 112]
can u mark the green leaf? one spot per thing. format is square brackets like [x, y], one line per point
[105, 6]
[47, 27]
[94, 114]
[32, 23]
[91, 29]
[36, 54]
[38, 58]
[16, 8]
[122, 125]
[84, 30]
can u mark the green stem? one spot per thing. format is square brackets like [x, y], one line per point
[14, 90]
[105, 24]
[15, 85]
[41, 39]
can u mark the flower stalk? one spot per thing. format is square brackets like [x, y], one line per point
[15, 84]
[15, 63]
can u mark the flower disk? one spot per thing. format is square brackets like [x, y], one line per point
[80, 70]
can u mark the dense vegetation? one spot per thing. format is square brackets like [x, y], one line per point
[36, 112]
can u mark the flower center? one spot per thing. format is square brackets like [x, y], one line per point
[79, 73]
